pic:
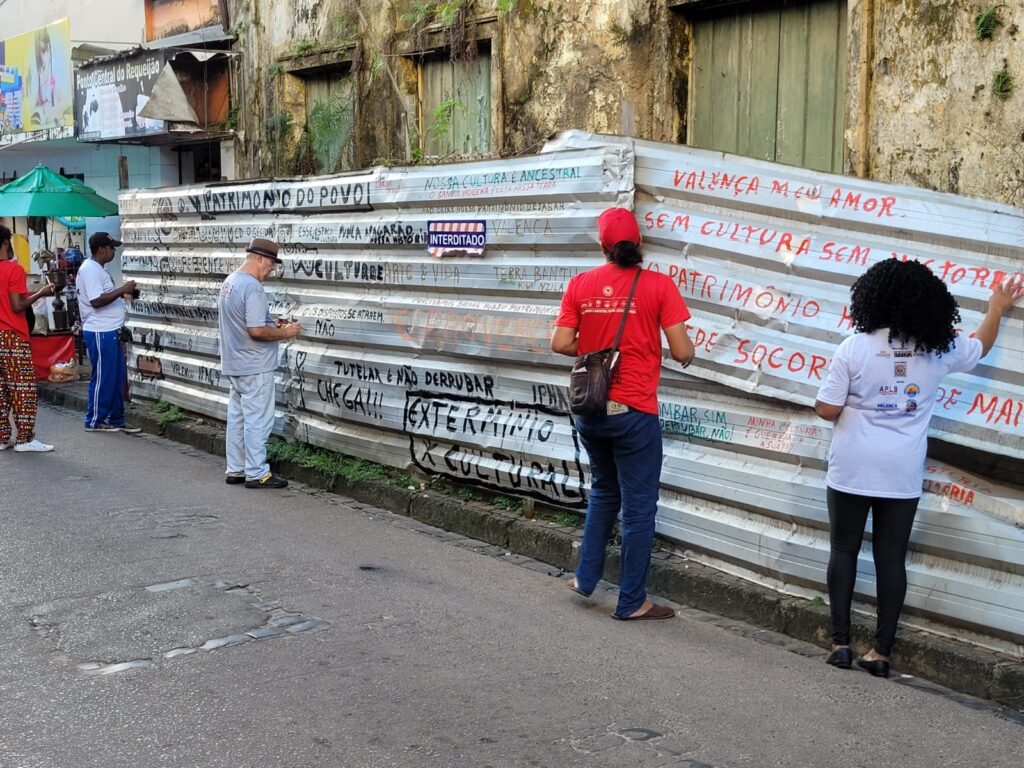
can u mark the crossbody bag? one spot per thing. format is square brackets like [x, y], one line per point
[592, 373]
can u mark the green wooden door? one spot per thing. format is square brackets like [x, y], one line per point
[456, 106]
[330, 119]
[770, 83]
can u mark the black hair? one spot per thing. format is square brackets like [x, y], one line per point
[5, 234]
[625, 254]
[910, 300]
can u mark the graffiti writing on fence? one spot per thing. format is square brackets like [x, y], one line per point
[502, 445]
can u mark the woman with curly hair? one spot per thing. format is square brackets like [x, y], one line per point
[880, 391]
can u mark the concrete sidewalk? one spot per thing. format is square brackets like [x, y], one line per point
[153, 616]
[955, 665]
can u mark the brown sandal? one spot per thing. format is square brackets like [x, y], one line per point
[654, 612]
[576, 589]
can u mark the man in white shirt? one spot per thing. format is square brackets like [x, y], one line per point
[102, 309]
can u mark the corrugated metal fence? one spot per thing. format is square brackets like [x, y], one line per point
[443, 364]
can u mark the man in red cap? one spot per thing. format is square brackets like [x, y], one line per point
[623, 442]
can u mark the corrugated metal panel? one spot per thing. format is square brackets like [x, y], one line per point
[776, 296]
[394, 340]
[443, 364]
[770, 83]
[766, 254]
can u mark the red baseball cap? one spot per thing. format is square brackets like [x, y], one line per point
[616, 225]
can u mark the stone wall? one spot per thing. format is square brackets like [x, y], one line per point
[935, 120]
[558, 64]
[599, 65]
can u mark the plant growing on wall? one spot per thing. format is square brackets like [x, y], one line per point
[329, 132]
[343, 28]
[987, 21]
[453, 15]
[441, 120]
[415, 148]
[279, 138]
[279, 125]
[449, 10]
[375, 69]
[423, 12]
[1002, 82]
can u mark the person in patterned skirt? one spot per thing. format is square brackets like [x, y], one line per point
[18, 393]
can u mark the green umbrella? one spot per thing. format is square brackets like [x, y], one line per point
[45, 193]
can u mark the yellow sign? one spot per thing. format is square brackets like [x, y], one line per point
[22, 252]
[36, 89]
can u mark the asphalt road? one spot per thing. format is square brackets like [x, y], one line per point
[388, 644]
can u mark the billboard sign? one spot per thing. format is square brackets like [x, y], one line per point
[35, 79]
[109, 96]
[166, 18]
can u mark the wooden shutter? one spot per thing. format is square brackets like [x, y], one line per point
[771, 83]
[456, 106]
[336, 86]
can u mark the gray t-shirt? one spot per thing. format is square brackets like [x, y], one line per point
[243, 305]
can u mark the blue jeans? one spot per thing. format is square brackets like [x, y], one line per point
[106, 384]
[625, 472]
[250, 422]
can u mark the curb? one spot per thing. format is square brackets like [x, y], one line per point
[956, 665]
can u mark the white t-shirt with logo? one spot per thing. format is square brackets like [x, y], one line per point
[888, 392]
[92, 282]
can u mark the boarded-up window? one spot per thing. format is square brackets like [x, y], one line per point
[770, 82]
[455, 109]
[330, 118]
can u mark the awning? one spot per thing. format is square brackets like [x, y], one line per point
[41, 192]
[168, 101]
[199, 37]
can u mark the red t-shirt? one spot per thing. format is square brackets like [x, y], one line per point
[12, 278]
[593, 304]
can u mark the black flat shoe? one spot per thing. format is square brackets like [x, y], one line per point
[267, 481]
[841, 658]
[877, 667]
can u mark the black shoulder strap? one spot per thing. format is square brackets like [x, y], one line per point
[625, 314]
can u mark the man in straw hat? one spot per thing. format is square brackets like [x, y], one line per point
[248, 354]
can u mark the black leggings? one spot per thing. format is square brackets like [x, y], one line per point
[892, 520]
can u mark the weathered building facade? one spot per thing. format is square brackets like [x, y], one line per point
[908, 91]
